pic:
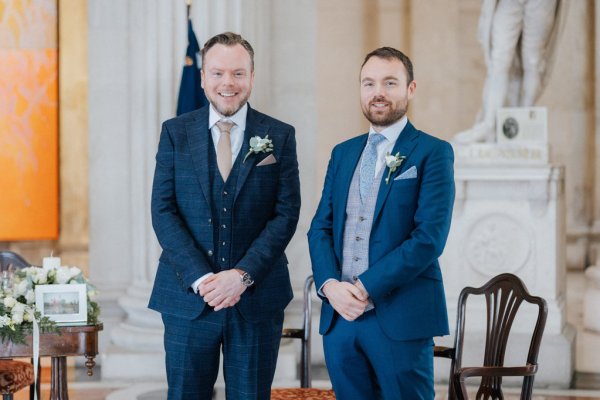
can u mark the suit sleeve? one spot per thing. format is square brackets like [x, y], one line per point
[270, 245]
[428, 238]
[320, 234]
[172, 233]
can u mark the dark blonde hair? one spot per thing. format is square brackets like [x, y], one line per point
[228, 39]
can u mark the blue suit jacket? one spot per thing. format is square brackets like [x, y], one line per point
[265, 215]
[409, 231]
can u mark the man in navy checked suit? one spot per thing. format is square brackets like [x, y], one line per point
[224, 211]
[375, 241]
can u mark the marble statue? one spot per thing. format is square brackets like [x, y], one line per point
[518, 39]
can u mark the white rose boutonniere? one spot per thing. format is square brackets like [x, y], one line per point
[259, 145]
[392, 162]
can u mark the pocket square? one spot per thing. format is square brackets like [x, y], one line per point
[410, 173]
[267, 161]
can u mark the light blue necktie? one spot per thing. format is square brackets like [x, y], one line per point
[367, 167]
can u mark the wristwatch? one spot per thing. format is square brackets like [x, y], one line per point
[246, 279]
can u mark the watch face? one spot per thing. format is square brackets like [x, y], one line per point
[246, 279]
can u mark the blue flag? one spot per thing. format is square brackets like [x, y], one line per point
[191, 95]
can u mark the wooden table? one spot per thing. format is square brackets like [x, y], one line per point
[71, 341]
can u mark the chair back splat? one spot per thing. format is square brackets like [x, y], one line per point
[504, 294]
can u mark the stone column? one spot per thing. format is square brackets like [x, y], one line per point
[139, 93]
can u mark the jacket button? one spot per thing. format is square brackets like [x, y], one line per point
[210, 252]
[210, 220]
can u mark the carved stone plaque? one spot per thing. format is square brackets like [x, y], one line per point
[498, 243]
[522, 125]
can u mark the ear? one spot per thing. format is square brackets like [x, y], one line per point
[412, 87]
[202, 78]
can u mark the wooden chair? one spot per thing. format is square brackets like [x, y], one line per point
[503, 294]
[305, 392]
[14, 375]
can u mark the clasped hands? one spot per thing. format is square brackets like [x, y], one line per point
[347, 299]
[222, 289]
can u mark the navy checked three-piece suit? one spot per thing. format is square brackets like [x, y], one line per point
[388, 351]
[206, 225]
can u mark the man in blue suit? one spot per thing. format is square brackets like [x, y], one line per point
[379, 229]
[225, 204]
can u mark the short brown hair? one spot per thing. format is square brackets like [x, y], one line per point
[228, 39]
[389, 53]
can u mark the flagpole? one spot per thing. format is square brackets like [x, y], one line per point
[189, 6]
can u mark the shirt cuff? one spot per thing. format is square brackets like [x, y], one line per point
[320, 291]
[198, 281]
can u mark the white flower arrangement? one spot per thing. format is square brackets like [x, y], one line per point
[392, 162]
[259, 145]
[17, 300]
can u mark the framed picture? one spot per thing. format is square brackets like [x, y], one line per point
[64, 304]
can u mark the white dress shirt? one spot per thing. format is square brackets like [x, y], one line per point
[237, 139]
[237, 131]
[391, 133]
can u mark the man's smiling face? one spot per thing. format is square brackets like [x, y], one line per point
[384, 91]
[227, 78]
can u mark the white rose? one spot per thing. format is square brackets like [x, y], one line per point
[29, 314]
[63, 275]
[41, 276]
[30, 296]
[21, 288]
[389, 159]
[17, 318]
[9, 302]
[4, 321]
[18, 308]
[74, 271]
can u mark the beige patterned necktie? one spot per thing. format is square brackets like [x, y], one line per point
[224, 149]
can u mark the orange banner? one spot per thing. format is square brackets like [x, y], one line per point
[28, 121]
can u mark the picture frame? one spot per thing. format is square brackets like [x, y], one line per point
[65, 304]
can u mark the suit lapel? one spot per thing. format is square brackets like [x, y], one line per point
[345, 172]
[197, 136]
[254, 127]
[404, 145]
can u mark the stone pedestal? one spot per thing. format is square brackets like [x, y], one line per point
[509, 216]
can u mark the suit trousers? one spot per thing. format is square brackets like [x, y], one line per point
[365, 364]
[193, 350]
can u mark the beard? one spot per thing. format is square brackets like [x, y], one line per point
[227, 111]
[384, 119]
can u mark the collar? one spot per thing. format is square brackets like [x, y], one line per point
[393, 131]
[239, 118]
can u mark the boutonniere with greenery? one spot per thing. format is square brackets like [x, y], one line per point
[259, 145]
[392, 162]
